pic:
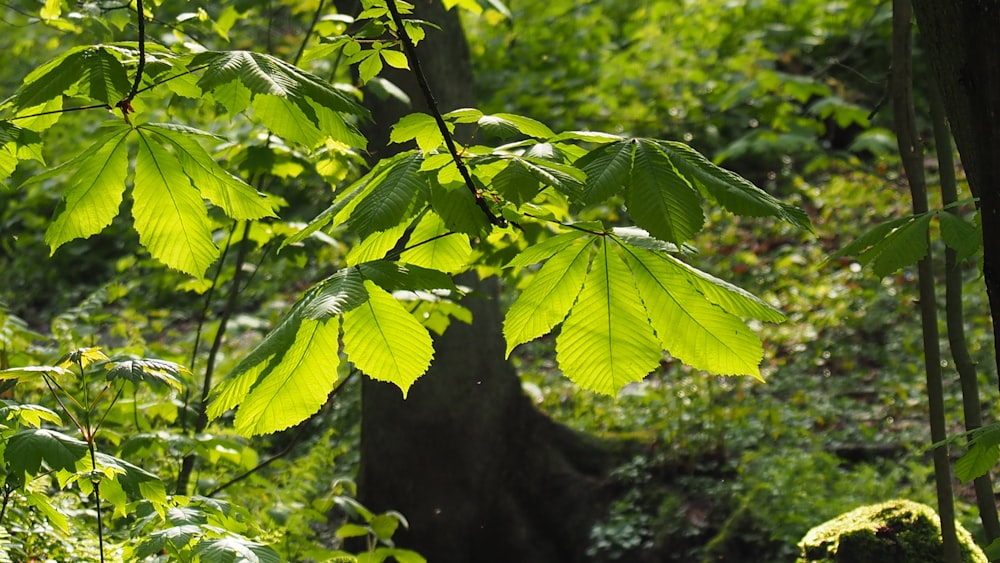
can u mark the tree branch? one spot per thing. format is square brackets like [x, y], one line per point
[411, 55]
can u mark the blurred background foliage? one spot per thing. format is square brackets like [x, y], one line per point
[787, 93]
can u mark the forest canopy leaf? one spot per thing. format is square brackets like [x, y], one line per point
[169, 213]
[659, 199]
[293, 389]
[385, 341]
[607, 342]
[547, 299]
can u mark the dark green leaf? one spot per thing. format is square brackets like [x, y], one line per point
[399, 196]
[607, 168]
[659, 200]
[146, 369]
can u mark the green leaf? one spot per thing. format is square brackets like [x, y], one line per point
[544, 250]
[457, 207]
[526, 125]
[294, 388]
[691, 328]
[902, 247]
[960, 235]
[385, 341]
[607, 342]
[31, 415]
[870, 238]
[348, 199]
[234, 549]
[659, 200]
[335, 295]
[266, 74]
[978, 461]
[93, 192]
[169, 213]
[394, 276]
[237, 199]
[376, 246]
[607, 168]
[731, 191]
[731, 298]
[547, 299]
[419, 126]
[97, 72]
[397, 197]
[28, 449]
[43, 503]
[147, 369]
[134, 481]
[287, 120]
[433, 246]
[395, 59]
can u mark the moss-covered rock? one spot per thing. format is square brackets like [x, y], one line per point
[898, 531]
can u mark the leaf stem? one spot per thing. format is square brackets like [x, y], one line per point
[411, 55]
[568, 225]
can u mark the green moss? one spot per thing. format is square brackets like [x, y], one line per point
[898, 531]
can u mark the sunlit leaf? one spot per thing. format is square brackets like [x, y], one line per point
[296, 387]
[169, 213]
[547, 299]
[31, 415]
[433, 246]
[606, 342]
[93, 191]
[236, 198]
[420, 127]
[693, 329]
[398, 196]
[234, 549]
[385, 341]
[147, 369]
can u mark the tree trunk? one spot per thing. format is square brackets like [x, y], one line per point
[961, 43]
[478, 472]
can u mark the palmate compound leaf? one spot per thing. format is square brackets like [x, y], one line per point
[659, 199]
[146, 369]
[92, 71]
[169, 213]
[903, 246]
[237, 199]
[385, 341]
[264, 75]
[400, 194]
[731, 191]
[268, 373]
[93, 191]
[607, 342]
[547, 299]
[693, 329]
[607, 168]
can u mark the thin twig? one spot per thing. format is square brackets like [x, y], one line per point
[411, 55]
[305, 40]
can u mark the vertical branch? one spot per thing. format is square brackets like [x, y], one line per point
[411, 56]
[954, 314]
[911, 155]
[125, 105]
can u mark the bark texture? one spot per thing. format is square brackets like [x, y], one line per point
[962, 42]
[477, 471]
